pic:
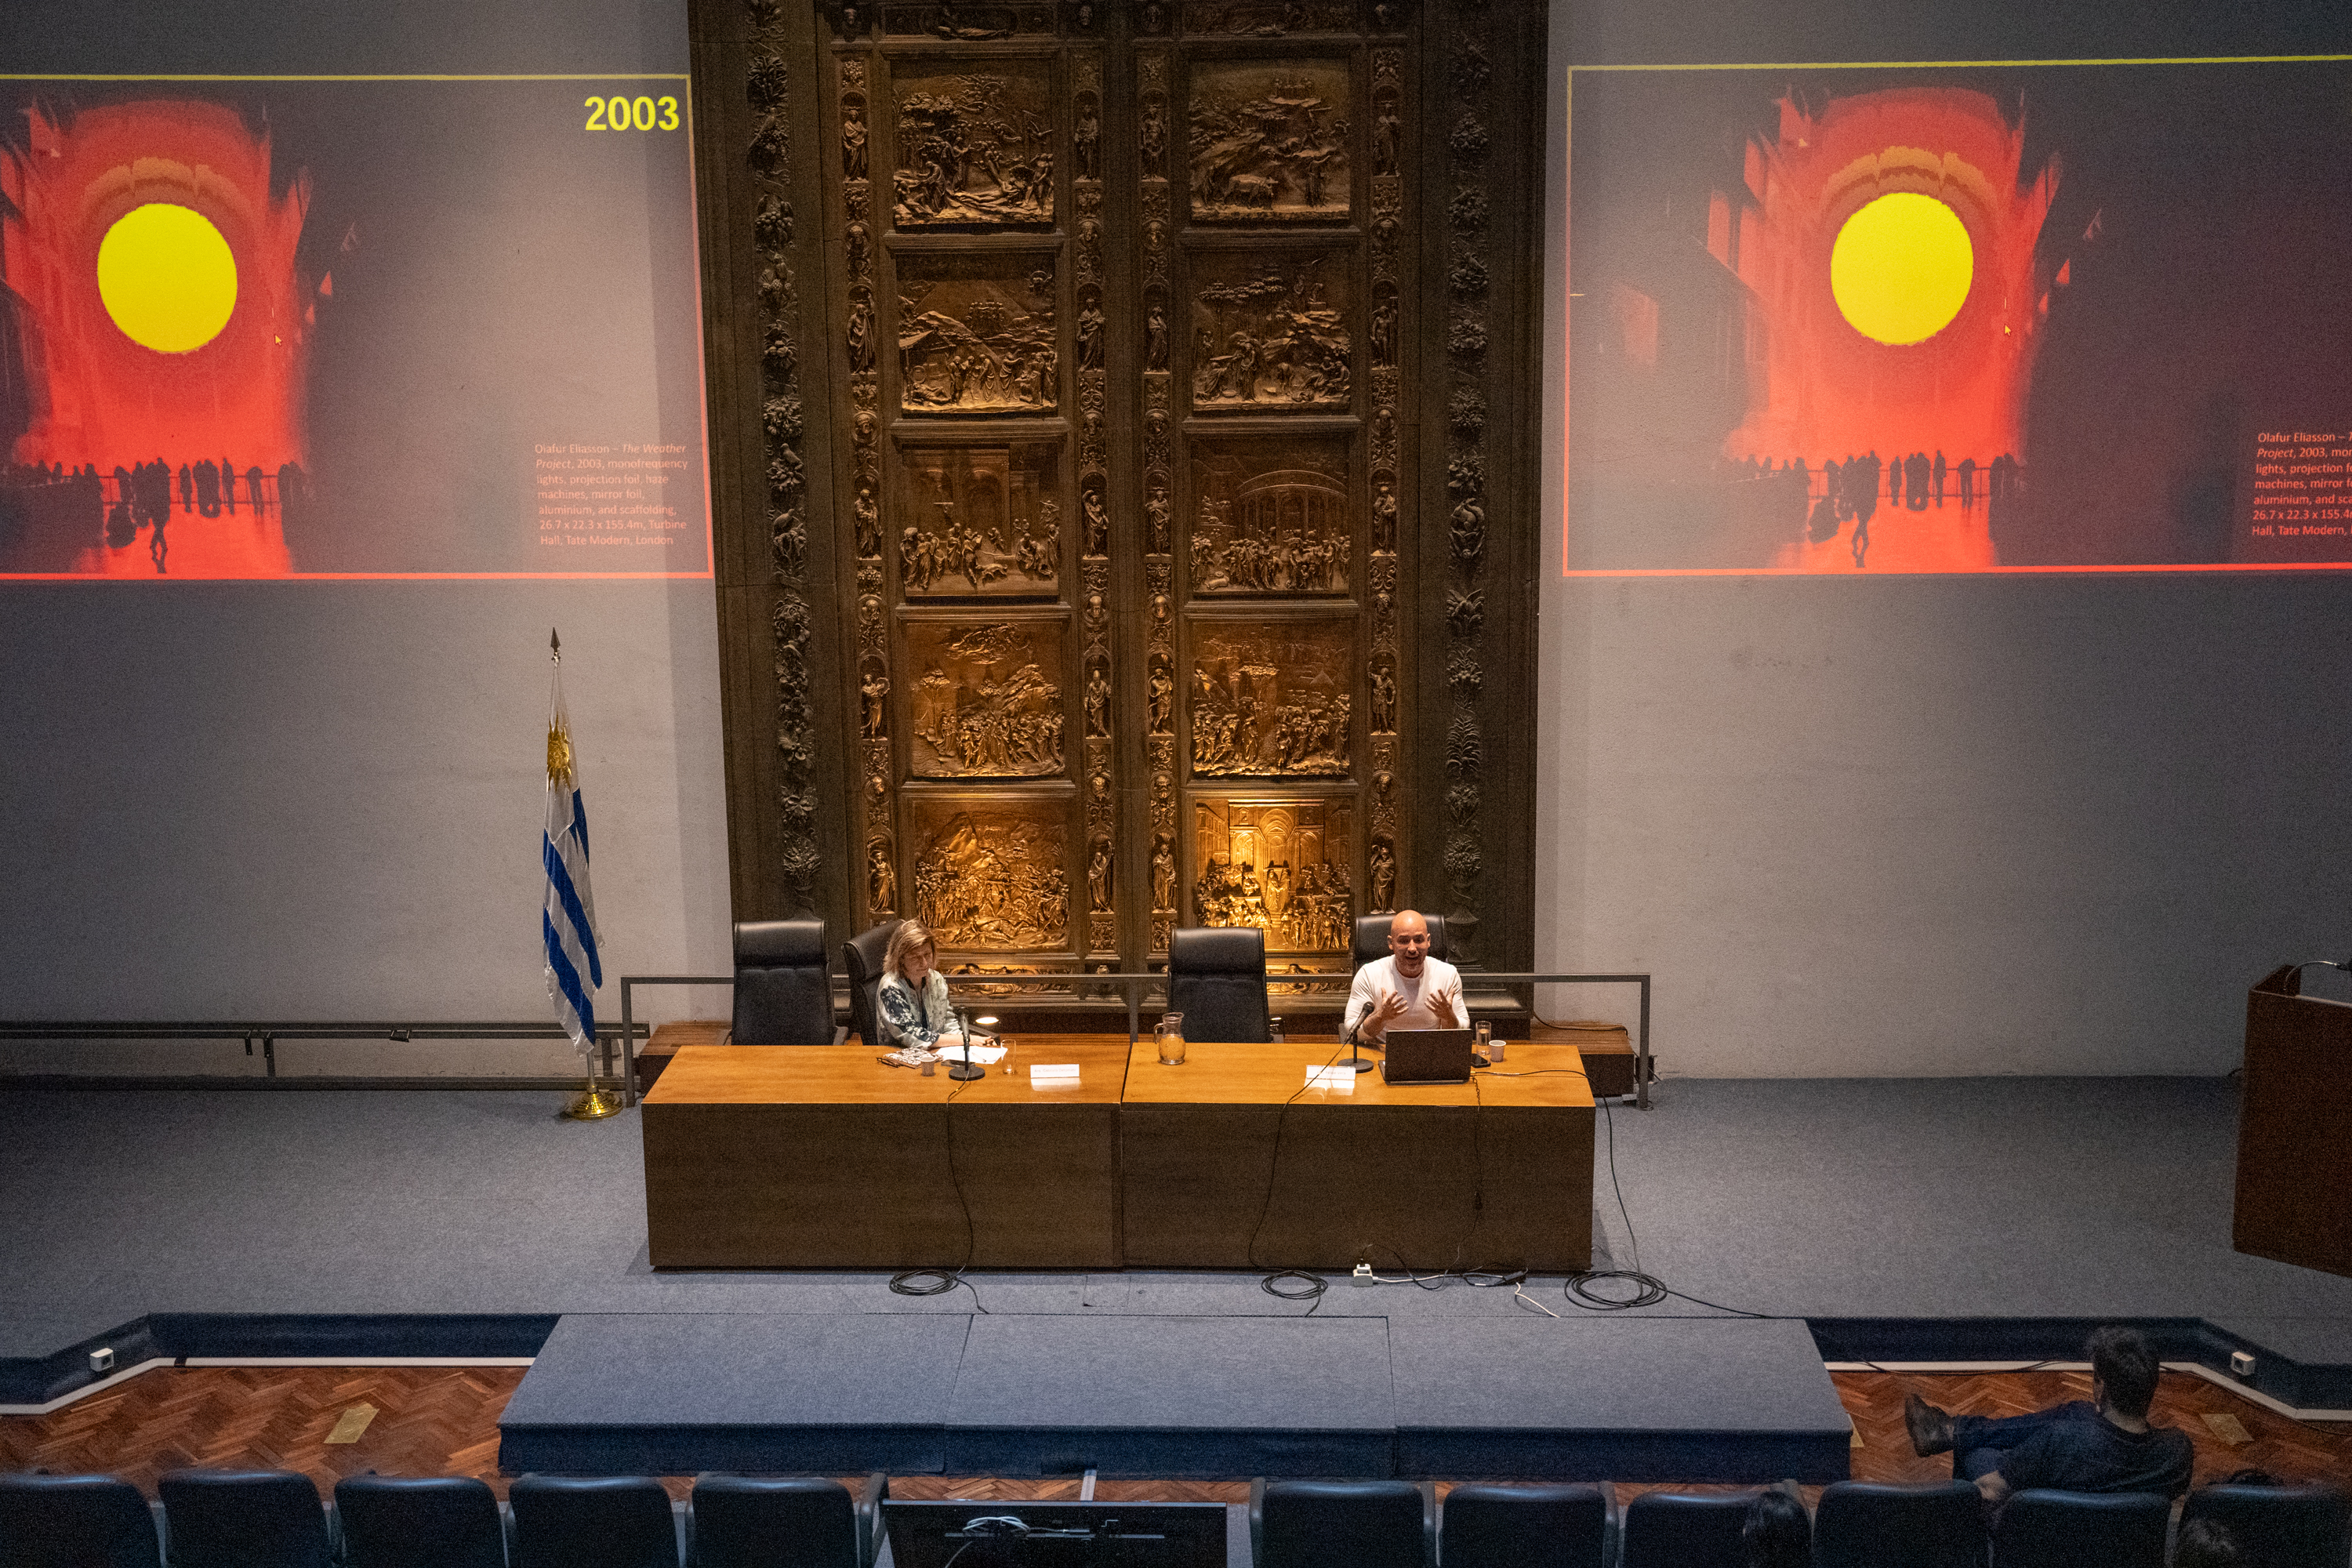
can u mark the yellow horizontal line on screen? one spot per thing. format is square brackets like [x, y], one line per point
[1978, 65]
[568, 76]
[2140, 568]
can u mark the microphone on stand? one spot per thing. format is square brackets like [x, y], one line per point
[1356, 1061]
[964, 1069]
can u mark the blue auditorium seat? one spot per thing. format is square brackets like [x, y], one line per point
[2279, 1527]
[75, 1522]
[1364, 1524]
[740, 1522]
[244, 1519]
[2044, 1529]
[592, 1521]
[419, 1521]
[1523, 1526]
[1869, 1524]
[1686, 1530]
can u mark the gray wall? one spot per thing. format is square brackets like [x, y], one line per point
[324, 799]
[2048, 825]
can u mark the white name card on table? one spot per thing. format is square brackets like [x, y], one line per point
[1338, 1081]
[1053, 1075]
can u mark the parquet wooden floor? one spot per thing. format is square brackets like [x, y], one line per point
[444, 1421]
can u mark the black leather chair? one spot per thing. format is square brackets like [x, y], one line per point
[419, 1521]
[1523, 1527]
[1686, 1530]
[1869, 1524]
[75, 1521]
[783, 995]
[592, 1521]
[1372, 939]
[1365, 1524]
[862, 957]
[2045, 1529]
[2279, 1527]
[244, 1519]
[1216, 978]
[752, 1521]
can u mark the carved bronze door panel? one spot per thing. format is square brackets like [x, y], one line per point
[1127, 509]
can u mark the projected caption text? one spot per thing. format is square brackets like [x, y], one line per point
[593, 495]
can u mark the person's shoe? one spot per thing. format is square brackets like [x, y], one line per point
[1930, 1428]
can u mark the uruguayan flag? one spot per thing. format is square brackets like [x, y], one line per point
[569, 916]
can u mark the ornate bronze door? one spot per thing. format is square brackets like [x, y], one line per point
[1108, 405]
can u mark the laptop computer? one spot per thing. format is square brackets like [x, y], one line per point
[1428, 1056]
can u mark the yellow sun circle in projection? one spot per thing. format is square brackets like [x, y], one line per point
[167, 277]
[1901, 268]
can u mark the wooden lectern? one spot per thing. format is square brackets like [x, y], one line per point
[2294, 1128]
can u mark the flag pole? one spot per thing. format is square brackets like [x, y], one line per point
[593, 1103]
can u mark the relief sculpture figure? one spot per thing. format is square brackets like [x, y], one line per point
[1275, 866]
[970, 349]
[984, 708]
[954, 553]
[974, 150]
[1272, 339]
[1269, 143]
[983, 882]
[1242, 724]
[881, 881]
[1099, 875]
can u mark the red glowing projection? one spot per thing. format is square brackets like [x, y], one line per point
[1828, 390]
[105, 401]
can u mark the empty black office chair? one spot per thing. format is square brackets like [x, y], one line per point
[1686, 1530]
[754, 1521]
[592, 1521]
[244, 1519]
[75, 1522]
[1372, 939]
[2279, 1527]
[862, 957]
[1365, 1524]
[1216, 978]
[1523, 1526]
[783, 995]
[2044, 1529]
[419, 1521]
[1869, 1524]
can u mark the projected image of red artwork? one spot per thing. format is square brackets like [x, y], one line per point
[338, 328]
[1957, 319]
[152, 265]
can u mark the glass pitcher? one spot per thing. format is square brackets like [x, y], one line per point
[1170, 1040]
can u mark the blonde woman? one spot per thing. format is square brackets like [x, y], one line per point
[912, 998]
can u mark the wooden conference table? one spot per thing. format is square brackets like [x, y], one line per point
[824, 1157]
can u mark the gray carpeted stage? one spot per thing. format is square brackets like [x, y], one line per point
[1913, 1219]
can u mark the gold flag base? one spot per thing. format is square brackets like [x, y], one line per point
[592, 1104]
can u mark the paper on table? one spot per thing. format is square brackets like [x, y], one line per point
[986, 1056]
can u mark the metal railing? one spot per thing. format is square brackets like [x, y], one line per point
[1134, 988]
[267, 1033]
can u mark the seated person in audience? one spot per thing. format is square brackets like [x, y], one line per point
[912, 1001]
[2207, 1543]
[2104, 1446]
[1406, 990]
[1777, 1534]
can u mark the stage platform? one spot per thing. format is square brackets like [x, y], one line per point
[1029, 1394]
[1913, 1220]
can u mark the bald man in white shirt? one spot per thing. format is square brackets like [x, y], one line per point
[1406, 990]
